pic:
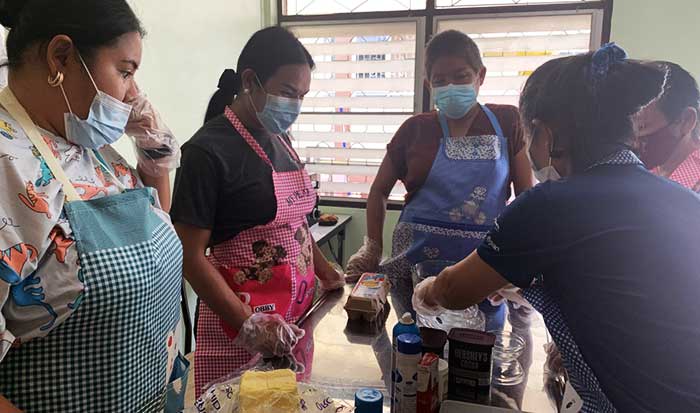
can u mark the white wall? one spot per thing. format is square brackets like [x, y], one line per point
[659, 30]
[188, 45]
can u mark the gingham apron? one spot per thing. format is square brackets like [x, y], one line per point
[112, 353]
[450, 215]
[269, 266]
[580, 374]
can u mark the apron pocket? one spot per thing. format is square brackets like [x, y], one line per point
[177, 386]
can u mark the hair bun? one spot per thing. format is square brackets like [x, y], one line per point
[10, 11]
[229, 81]
[604, 58]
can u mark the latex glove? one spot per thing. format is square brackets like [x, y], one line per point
[419, 300]
[269, 335]
[157, 150]
[366, 259]
[510, 293]
[331, 281]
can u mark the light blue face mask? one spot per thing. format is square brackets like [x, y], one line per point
[454, 100]
[279, 113]
[105, 123]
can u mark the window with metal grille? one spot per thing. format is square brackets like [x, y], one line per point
[370, 59]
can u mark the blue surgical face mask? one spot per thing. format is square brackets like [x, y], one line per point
[279, 113]
[454, 100]
[105, 123]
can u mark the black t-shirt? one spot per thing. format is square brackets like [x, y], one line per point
[223, 185]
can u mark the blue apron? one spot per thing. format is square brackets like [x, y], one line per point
[580, 374]
[111, 353]
[447, 219]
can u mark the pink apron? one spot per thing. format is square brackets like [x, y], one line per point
[270, 267]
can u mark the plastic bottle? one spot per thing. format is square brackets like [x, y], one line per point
[369, 401]
[406, 373]
[406, 325]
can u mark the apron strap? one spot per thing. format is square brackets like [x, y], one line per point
[17, 111]
[489, 114]
[291, 150]
[254, 145]
[494, 121]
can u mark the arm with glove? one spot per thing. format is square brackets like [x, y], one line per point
[368, 257]
[157, 150]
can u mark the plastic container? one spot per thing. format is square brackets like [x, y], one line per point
[471, 318]
[406, 325]
[405, 375]
[369, 401]
[443, 372]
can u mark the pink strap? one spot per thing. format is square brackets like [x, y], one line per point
[247, 136]
[291, 150]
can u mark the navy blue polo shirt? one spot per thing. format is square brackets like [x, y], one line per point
[619, 249]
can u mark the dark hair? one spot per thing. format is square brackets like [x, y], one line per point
[588, 105]
[681, 91]
[452, 43]
[264, 53]
[90, 24]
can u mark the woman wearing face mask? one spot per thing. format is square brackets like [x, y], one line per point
[243, 192]
[457, 164]
[669, 131]
[90, 267]
[602, 252]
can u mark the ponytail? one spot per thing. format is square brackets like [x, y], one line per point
[229, 86]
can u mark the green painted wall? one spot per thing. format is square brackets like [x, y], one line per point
[659, 29]
[358, 228]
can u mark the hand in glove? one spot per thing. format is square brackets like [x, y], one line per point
[510, 293]
[269, 335]
[423, 302]
[331, 280]
[157, 149]
[366, 259]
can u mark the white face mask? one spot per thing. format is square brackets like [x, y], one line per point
[548, 173]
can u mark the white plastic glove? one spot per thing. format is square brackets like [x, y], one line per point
[269, 335]
[157, 150]
[510, 293]
[366, 259]
[420, 293]
[333, 281]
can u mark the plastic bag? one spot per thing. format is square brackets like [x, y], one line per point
[157, 150]
[268, 334]
[418, 300]
[510, 293]
[223, 398]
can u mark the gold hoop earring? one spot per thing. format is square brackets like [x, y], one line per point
[57, 80]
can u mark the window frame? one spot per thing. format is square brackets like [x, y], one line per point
[427, 21]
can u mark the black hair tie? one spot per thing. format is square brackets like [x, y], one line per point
[229, 81]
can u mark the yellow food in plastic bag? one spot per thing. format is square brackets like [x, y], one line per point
[269, 392]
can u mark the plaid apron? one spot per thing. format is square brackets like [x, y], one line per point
[115, 352]
[270, 267]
